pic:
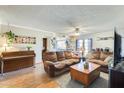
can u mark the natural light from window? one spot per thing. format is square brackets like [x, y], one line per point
[61, 44]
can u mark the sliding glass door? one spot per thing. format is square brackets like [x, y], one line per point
[85, 45]
[79, 45]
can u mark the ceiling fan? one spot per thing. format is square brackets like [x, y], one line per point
[75, 32]
[73, 29]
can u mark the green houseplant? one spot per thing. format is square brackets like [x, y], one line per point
[29, 47]
[10, 37]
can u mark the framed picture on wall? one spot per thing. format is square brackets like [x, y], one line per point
[24, 40]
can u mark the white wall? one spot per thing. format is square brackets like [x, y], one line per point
[0, 27]
[32, 33]
[101, 43]
[105, 43]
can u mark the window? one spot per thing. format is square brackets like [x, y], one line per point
[61, 44]
[79, 44]
[85, 44]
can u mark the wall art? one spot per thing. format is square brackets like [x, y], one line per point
[24, 40]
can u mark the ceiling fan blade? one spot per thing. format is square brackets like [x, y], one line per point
[71, 24]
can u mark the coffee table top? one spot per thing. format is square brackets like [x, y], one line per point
[80, 67]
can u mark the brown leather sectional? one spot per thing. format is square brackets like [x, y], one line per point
[56, 63]
[98, 57]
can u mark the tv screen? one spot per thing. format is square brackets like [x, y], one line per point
[117, 48]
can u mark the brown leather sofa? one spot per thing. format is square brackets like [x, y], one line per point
[56, 63]
[99, 57]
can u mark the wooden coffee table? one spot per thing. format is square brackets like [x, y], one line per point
[85, 76]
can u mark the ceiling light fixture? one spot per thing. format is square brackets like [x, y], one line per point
[77, 32]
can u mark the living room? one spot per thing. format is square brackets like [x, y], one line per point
[56, 50]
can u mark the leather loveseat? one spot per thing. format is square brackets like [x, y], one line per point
[99, 57]
[56, 63]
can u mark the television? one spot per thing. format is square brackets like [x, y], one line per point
[117, 48]
[116, 73]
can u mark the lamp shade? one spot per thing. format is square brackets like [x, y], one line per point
[5, 45]
[2, 41]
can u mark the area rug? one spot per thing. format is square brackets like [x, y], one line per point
[65, 81]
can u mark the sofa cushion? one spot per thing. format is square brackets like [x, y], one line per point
[71, 61]
[102, 63]
[60, 56]
[90, 56]
[92, 60]
[104, 55]
[67, 62]
[68, 54]
[108, 59]
[98, 62]
[60, 65]
[93, 55]
[74, 56]
[74, 60]
[50, 56]
[96, 54]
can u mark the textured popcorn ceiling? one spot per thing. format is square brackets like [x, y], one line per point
[64, 19]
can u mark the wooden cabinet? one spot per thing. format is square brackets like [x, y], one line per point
[116, 78]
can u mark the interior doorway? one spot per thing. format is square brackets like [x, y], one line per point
[45, 44]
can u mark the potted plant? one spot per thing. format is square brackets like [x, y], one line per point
[10, 37]
[29, 47]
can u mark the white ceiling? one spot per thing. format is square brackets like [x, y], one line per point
[63, 19]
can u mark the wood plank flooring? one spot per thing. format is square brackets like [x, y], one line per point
[28, 78]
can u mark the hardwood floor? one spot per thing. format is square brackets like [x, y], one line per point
[28, 78]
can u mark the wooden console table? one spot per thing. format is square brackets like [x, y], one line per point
[11, 61]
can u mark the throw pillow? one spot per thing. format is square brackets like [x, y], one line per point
[108, 59]
[89, 56]
[103, 55]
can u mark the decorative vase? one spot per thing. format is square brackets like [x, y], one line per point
[86, 65]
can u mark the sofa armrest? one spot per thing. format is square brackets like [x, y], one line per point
[49, 68]
[98, 62]
[49, 63]
[75, 56]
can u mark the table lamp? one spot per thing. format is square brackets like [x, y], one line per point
[5, 46]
